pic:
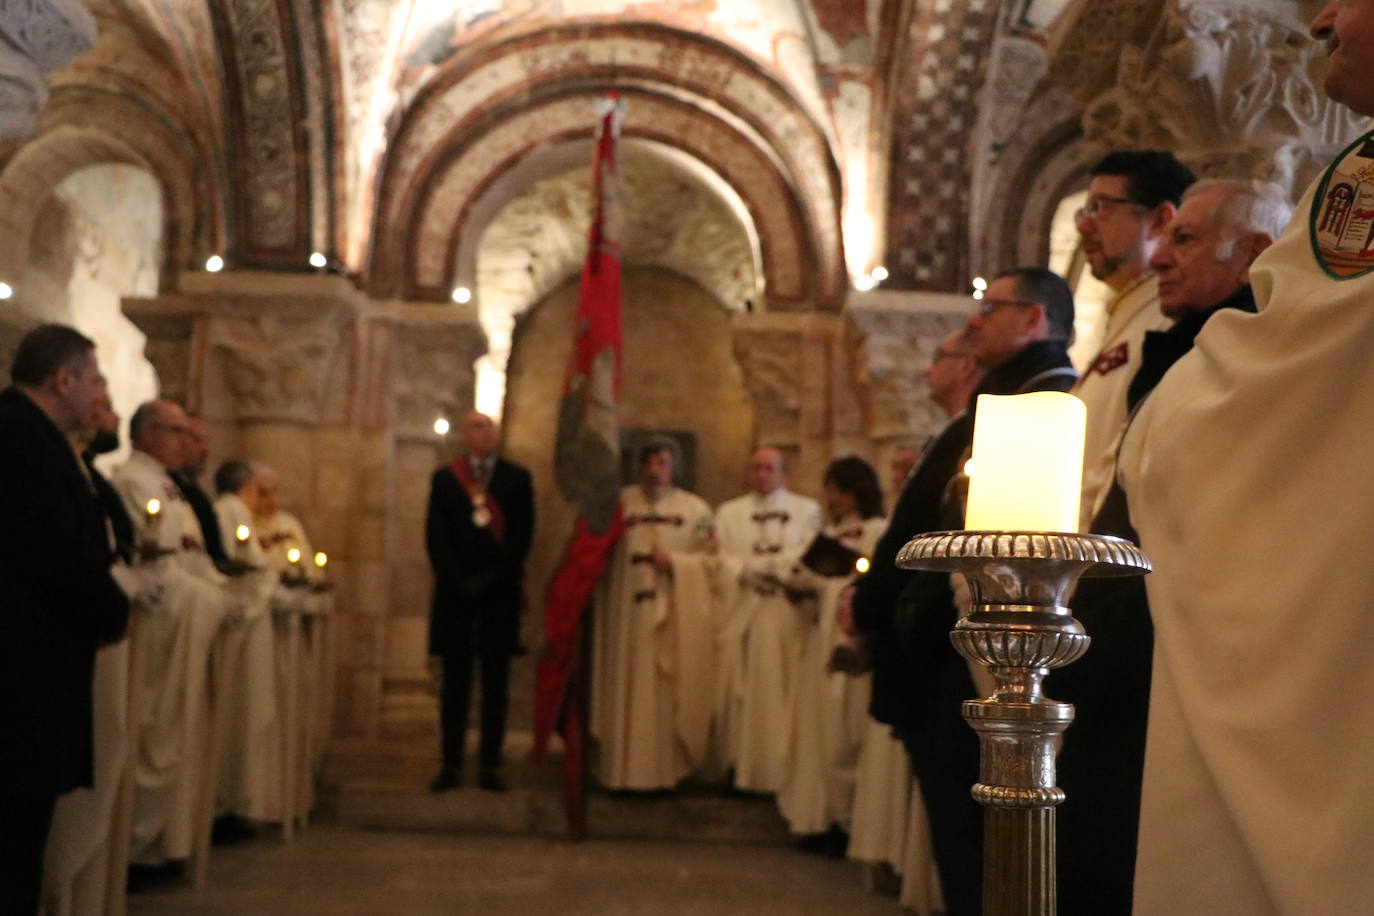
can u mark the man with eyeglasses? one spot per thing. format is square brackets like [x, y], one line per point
[187, 479]
[175, 638]
[1132, 195]
[1250, 483]
[1202, 262]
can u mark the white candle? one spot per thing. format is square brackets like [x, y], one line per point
[293, 555]
[1027, 463]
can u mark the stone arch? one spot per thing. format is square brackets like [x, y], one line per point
[491, 106]
[706, 394]
[112, 129]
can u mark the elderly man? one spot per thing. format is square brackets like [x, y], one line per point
[1131, 196]
[175, 715]
[478, 530]
[1019, 337]
[653, 652]
[278, 531]
[761, 535]
[61, 602]
[249, 776]
[1203, 266]
[1250, 485]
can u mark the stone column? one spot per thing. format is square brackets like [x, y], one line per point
[433, 351]
[1233, 87]
[339, 394]
[36, 37]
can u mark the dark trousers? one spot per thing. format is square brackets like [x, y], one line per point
[24, 823]
[456, 697]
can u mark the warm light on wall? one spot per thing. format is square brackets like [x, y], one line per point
[1028, 449]
[441, 426]
[214, 263]
[462, 295]
[317, 259]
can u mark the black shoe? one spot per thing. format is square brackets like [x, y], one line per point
[229, 829]
[448, 778]
[491, 781]
[151, 877]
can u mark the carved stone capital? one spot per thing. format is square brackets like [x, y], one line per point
[22, 94]
[769, 349]
[47, 32]
[893, 342]
[433, 352]
[276, 369]
[1233, 88]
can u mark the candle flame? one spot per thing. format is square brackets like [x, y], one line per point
[861, 565]
[154, 506]
[321, 559]
[293, 554]
[241, 532]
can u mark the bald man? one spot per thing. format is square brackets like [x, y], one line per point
[761, 535]
[175, 714]
[478, 530]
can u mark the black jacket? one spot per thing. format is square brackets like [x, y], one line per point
[59, 602]
[473, 572]
[205, 515]
[1101, 765]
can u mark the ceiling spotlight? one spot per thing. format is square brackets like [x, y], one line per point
[317, 259]
[879, 273]
[461, 294]
[863, 283]
[979, 283]
[441, 426]
[214, 263]
[977, 294]
[6, 291]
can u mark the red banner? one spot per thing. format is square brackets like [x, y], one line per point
[587, 468]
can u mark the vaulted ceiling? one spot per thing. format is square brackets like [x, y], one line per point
[390, 134]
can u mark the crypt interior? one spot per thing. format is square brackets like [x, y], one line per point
[323, 226]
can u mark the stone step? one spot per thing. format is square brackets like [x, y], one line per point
[385, 787]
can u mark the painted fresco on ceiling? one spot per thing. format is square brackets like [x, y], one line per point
[439, 29]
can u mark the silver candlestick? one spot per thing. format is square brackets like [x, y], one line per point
[1020, 627]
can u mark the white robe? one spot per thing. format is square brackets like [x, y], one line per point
[827, 713]
[300, 697]
[251, 752]
[759, 538]
[653, 655]
[175, 638]
[1102, 387]
[1251, 484]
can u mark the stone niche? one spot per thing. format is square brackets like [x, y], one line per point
[679, 373]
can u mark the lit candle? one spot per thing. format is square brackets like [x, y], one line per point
[861, 565]
[1028, 463]
[153, 508]
[241, 535]
[152, 514]
[293, 555]
[321, 559]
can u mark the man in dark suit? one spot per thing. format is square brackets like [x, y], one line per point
[59, 603]
[187, 479]
[478, 530]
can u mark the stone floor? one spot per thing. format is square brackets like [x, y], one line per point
[345, 870]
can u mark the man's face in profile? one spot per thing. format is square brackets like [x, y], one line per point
[1347, 27]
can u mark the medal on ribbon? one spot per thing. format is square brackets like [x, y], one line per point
[481, 515]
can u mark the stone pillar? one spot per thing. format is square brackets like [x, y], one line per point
[339, 395]
[1233, 87]
[36, 37]
[434, 358]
